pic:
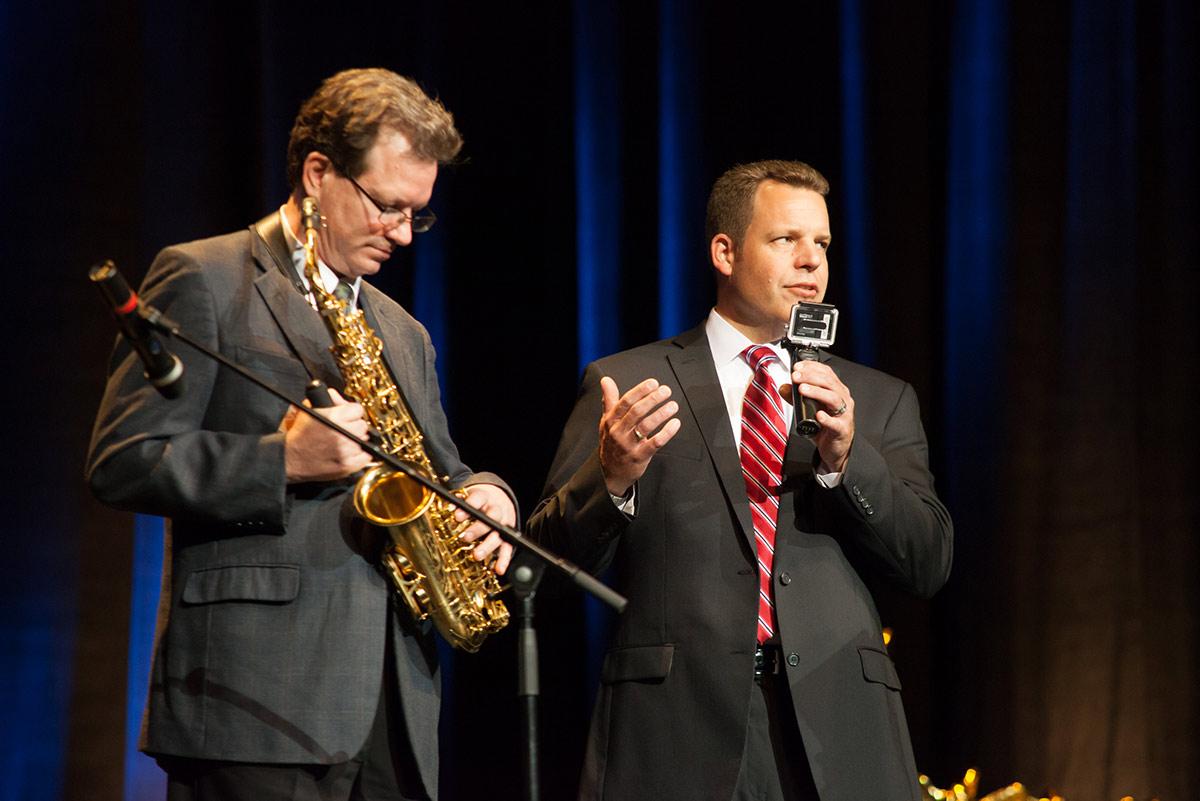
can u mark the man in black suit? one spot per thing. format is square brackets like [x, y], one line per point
[284, 666]
[749, 663]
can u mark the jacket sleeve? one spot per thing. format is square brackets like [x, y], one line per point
[158, 456]
[576, 516]
[886, 504]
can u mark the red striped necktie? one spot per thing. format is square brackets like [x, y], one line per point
[763, 443]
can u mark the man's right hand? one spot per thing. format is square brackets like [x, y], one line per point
[312, 452]
[628, 435]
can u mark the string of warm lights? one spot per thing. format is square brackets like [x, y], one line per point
[968, 788]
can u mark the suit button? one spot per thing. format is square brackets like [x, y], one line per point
[785, 578]
[793, 659]
[856, 491]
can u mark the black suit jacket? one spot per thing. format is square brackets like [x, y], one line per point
[273, 616]
[671, 715]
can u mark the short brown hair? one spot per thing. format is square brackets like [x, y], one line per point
[731, 202]
[344, 117]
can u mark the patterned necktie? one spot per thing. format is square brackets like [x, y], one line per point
[763, 443]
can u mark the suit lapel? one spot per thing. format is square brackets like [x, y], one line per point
[697, 377]
[280, 289]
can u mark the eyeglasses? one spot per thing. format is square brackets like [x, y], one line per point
[420, 223]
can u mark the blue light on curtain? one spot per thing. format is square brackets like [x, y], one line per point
[977, 230]
[429, 298]
[597, 171]
[35, 675]
[144, 781]
[679, 224]
[430, 302]
[855, 255]
[597, 200]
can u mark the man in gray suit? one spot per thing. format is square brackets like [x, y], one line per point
[284, 666]
[749, 663]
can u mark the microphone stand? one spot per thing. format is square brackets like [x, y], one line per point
[525, 580]
[525, 576]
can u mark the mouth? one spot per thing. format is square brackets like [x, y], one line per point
[802, 291]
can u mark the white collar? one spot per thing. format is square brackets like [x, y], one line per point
[727, 343]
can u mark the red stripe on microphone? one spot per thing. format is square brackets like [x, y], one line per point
[130, 304]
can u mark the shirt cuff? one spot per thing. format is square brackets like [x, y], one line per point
[627, 503]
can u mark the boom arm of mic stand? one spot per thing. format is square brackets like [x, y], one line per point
[585, 581]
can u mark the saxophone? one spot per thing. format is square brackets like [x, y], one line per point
[427, 562]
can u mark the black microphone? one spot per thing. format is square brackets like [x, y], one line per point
[805, 414]
[163, 368]
[810, 326]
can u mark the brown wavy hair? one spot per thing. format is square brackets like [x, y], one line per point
[344, 116]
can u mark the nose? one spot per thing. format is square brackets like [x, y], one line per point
[400, 234]
[809, 255]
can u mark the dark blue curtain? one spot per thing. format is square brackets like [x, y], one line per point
[854, 241]
[1014, 216]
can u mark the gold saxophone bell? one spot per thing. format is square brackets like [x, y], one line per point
[388, 498]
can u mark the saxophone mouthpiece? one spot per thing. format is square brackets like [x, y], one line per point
[308, 208]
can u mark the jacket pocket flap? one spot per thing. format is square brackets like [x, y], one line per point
[271, 583]
[637, 663]
[877, 667]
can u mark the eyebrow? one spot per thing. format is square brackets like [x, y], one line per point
[774, 233]
[390, 203]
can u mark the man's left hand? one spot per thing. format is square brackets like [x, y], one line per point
[835, 411]
[493, 501]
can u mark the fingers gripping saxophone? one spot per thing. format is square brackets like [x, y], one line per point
[431, 567]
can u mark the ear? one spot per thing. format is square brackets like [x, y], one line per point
[721, 248]
[313, 172]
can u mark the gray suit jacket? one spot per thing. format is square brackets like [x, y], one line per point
[273, 617]
[671, 715]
